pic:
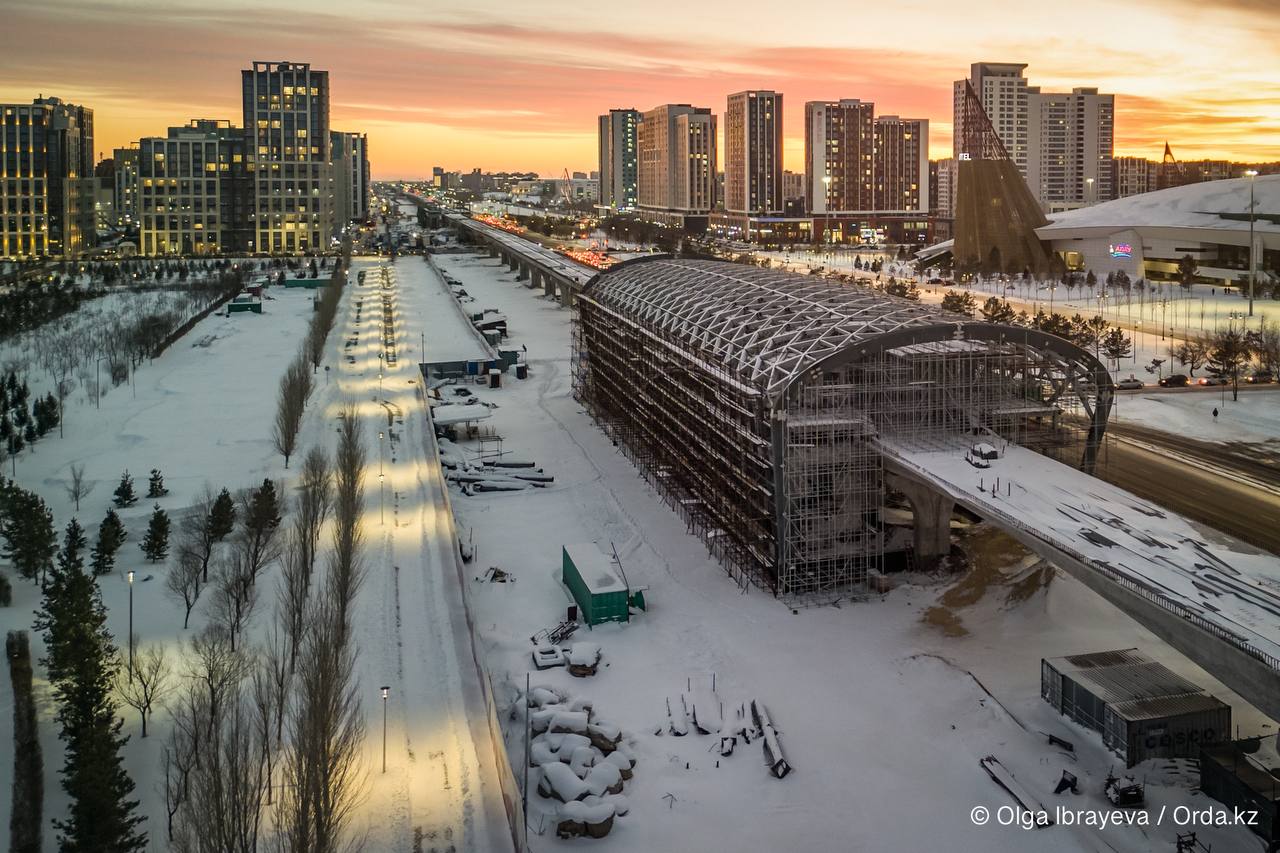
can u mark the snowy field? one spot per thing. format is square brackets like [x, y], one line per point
[1254, 418]
[201, 415]
[878, 709]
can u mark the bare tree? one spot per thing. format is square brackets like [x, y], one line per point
[197, 535]
[149, 682]
[345, 569]
[258, 541]
[315, 496]
[272, 679]
[182, 750]
[294, 587]
[184, 579]
[78, 487]
[295, 389]
[322, 776]
[218, 668]
[234, 597]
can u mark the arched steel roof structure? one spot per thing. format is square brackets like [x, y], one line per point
[769, 327]
[762, 402]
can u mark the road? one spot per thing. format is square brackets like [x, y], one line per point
[439, 792]
[1199, 480]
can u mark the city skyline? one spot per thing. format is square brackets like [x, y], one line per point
[437, 88]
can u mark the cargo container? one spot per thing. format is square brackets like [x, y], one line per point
[1245, 774]
[1141, 708]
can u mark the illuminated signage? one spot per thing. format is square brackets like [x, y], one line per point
[1121, 250]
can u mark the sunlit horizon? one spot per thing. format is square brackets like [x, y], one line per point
[510, 87]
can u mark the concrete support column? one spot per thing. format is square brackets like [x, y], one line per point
[536, 277]
[548, 286]
[932, 525]
[493, 251]
[524, 272]
[512, 263]
[567, 296]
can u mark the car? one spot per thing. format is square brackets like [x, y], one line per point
[1133, 383]
[1212, 380]
[1176, 380]
[1261, 377]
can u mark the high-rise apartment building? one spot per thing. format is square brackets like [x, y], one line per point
[125, 193]
[350, 152]
[1133, 176]
[753, 154]
[1061, 142]
[839, 149]
[945, 175]
[619, 146]
[286, 119]
[677, 161]
[900, 165]
[1070, 145]
[47, 184]
[195, 190]
[1003, 91]
[792, 186]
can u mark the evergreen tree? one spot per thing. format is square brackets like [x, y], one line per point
[996, 310]
[155, 485]
[156, 543]
[16, 444]
[6, 426]
[53, 410]
[29, 434]
[124, 495]
[82, 662]
[111, 535]
[30, 539]
[222, 518]
[264, 509]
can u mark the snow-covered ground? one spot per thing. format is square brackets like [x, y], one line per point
[876, 708]
[201, 415]
[1254, 418]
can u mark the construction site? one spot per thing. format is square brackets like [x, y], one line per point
[760, 403]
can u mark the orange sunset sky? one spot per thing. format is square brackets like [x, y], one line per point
[505, 85]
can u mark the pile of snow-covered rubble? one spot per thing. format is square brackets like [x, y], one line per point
[581, 762]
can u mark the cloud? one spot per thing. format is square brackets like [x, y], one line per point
[506, 92]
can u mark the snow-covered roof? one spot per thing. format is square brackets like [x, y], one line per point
[595, 568]
[1219, 205]
[761, 326]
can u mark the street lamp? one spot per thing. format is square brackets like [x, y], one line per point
[382, 492]
[1088, 191]
[130, 624]
[385, 691]
[1251, 174]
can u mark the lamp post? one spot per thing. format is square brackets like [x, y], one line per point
[385, 691]
[1251, 174]
[1088, 191]
[130, 576]
[382, 492]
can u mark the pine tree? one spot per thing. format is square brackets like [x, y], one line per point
[29, 434]
[156, 543]
[6, 426]
[264, 511]
[222, 518]
[111, 535]
[30, 539]
[82, 662]
[155, 485]
[124, 495]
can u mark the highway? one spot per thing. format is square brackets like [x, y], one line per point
[1233, 488]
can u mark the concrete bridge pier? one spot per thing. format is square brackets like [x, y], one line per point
[493, 250]
[523, 274]
[932, 518]
[566, 296]
[512, 262]
[548, 286]
[535, 278]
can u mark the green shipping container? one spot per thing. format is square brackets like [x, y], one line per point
[596, 584]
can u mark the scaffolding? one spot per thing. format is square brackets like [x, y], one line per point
[758, 404]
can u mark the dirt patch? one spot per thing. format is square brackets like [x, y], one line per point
[989, 559]
[945, 621]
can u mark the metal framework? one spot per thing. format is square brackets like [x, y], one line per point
[760, 403]
[996, 215]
